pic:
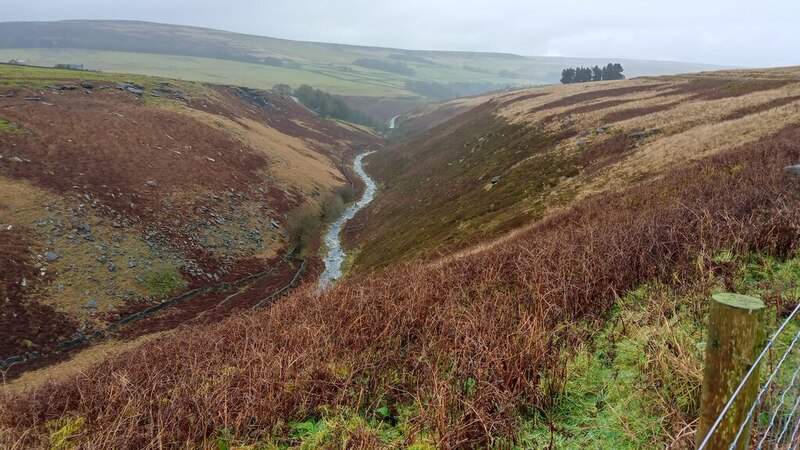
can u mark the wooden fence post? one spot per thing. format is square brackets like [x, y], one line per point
[735, 338]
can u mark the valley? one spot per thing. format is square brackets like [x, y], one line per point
[122, 195]
[382, 82]
[196, 262]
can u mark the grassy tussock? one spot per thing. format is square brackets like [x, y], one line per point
[475, 344]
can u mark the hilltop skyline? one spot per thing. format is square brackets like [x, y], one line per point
[714, 32]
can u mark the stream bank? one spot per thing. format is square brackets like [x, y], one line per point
[333, 242]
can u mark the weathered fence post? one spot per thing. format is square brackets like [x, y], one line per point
[735, 338]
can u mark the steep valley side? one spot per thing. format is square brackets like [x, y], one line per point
[120, 191]
[496, 163]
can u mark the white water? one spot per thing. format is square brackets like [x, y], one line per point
[393, 122]
[335, 257]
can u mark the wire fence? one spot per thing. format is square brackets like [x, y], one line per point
[773, 419]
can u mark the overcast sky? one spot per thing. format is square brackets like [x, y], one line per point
[731, 32]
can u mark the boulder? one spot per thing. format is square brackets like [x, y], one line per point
[51, 256]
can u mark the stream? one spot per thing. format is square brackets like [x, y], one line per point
[335, 257]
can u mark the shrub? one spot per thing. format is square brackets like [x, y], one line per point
[334, 205]
[303, 226]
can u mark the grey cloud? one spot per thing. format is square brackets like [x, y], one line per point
[732, 32]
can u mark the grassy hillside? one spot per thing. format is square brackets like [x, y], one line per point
[583, 328]
[119, 191]
[229, 58]
[517, 157]
[473, 353]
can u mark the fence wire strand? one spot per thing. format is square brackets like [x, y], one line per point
[782, 400]
[763, 390]
[789, 419]
[766, 397]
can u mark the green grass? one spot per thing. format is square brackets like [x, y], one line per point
[638, 381]
[610, 399]
[10, 127]
[322, 73]
[39, 77]
[62, 431]
[329, 67]
[161, 282]
[340, 428]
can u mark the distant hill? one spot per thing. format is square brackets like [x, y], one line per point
[201, 54]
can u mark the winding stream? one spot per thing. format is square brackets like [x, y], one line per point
[335, 257]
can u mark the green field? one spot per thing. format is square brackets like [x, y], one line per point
[207, 70]
[221, 57]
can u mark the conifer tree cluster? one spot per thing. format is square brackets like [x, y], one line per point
[586, 74]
